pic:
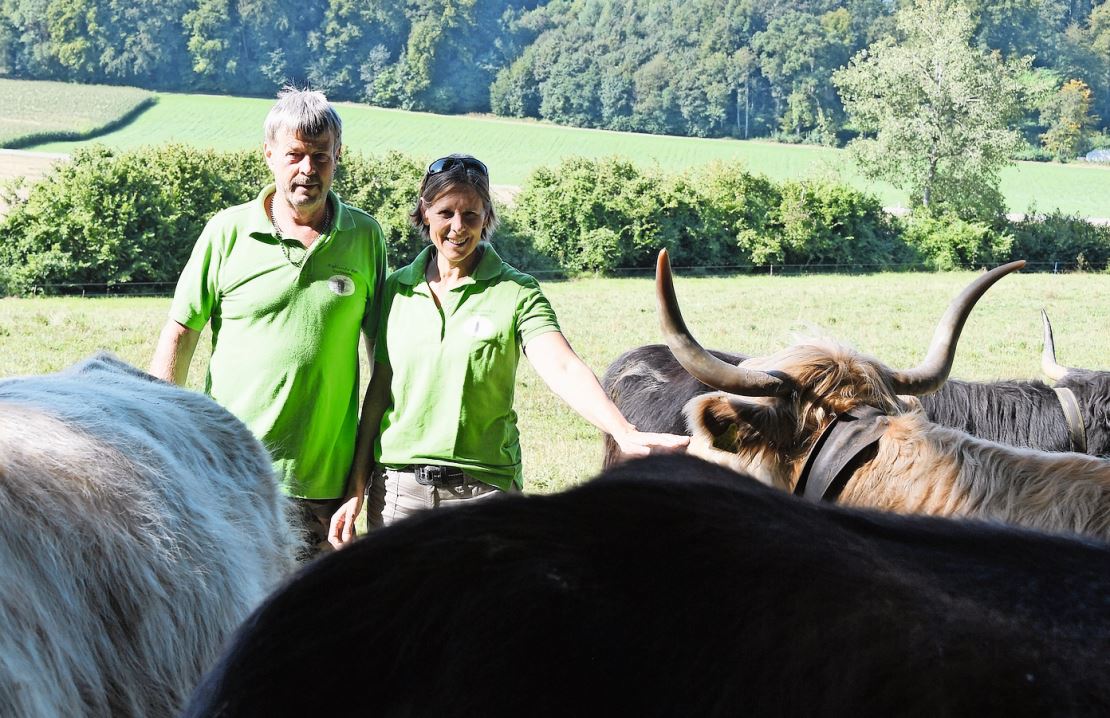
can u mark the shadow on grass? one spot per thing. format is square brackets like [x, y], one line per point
[41, 138]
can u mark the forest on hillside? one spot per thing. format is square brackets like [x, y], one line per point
[710, 68]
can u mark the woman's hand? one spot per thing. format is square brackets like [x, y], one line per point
[342, 529]
[576, 384]
[642, 443]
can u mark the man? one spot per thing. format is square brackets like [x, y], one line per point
[287, 281]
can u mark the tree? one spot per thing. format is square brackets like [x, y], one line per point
[1068, 116]
[354, 44]
[935, 111]
[797, 53]
[1095, 38]
[1020, 27]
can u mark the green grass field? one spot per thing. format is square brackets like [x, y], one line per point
[891, 316]
[38, 108]
[513, 148]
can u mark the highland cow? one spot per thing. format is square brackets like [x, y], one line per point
[140, 523]
[672, 587]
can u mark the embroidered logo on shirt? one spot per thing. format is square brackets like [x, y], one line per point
[341, 285]
[479, 327]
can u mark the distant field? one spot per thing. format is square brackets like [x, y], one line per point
[891, 316]
[33, 108]
[513, 148]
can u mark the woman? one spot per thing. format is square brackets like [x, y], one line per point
[453, 324]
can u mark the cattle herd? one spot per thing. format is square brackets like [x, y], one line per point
[944, 552]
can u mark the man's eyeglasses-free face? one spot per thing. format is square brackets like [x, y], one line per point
[444, 164]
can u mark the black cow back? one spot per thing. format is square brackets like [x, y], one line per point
[671, 587]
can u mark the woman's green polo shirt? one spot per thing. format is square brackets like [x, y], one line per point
[454, 370]
[285, 339]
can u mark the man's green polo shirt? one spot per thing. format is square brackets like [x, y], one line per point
[454, 370]
[285, 339]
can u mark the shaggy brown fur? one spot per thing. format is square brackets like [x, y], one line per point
[919, 467]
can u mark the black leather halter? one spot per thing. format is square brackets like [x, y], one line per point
[834, 455]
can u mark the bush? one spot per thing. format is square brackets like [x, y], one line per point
[385, 187]
[563, 209]
[513, 242]
[825, 223]
[1058, 237]
[947, 242]
[112, 217]
[740, 208]
[600, 215]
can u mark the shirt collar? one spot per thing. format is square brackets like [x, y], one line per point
[413, 274]
[258, 221]
[489, 266]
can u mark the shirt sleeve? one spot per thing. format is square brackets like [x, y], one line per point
[371, 320]
[381, 346]
[197, 290]
[534, 313]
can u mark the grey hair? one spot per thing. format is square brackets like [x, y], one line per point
[174, 531]
[303, 112]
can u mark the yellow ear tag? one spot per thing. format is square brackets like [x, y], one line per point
[727, 441]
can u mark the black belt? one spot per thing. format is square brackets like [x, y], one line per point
[438, 476]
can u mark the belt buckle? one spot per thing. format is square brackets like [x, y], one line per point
[431, 475]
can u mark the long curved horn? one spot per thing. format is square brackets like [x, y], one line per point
[702, 365]
[1052, 370]
[930, 375]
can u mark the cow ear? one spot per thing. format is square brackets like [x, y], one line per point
[728, 421]
[730, 431]
[714, 419]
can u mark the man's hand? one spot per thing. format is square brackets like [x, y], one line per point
[174, 352]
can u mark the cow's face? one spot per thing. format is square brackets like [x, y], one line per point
[771, 410]
[770, 437]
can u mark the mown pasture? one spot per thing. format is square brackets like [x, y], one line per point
[891, 316]
[514, 148]
[49, 110]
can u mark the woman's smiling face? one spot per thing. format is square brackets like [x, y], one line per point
[455, 220]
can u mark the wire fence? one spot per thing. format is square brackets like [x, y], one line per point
[1054, 267]
[102, 289]
[165, 289]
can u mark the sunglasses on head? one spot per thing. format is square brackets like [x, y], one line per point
[443, 164]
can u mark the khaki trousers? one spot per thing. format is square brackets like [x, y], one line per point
[394, 495]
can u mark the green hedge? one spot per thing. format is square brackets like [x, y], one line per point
[817, 222]
[1059, 237]
[110, 217]
[127, 217]
[600, 215]
[948, 242]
